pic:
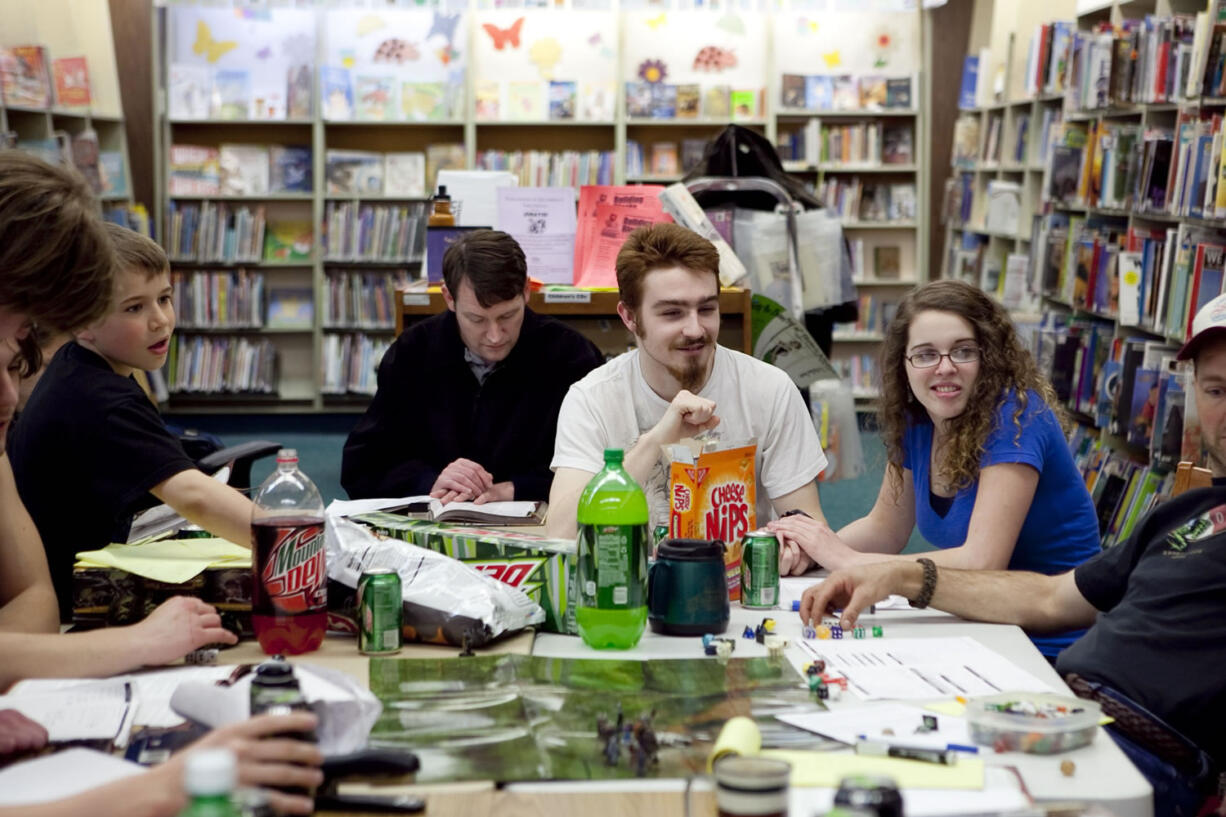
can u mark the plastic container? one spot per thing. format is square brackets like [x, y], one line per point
[1050, 723]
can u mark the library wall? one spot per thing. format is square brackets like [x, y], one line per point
[132, 28]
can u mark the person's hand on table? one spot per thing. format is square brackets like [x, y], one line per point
[19, 734]
[792, 560]
[851, 589]
[267, 758]
[461, 480]
[178, 626]
[812, 536]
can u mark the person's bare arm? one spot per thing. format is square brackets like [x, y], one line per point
[174, 629]
[1033, 601]
[564, 493]
[204, 501]
[887, 527]
[27, 597]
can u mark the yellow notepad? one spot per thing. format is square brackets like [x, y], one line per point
[169, 560]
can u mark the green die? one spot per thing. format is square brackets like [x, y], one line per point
[877, 632]
[858, 632]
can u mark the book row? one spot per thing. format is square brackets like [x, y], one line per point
[199, 364]
[844, 93]
[540, 168]
[537, 101]
[854, 200]
[365, 232]
[882, 263]
[859, 143]
[860, 372]
[105, 170]
[660, 100]
[28, 76]
[663, 158]
[875, 313]
[239, 170]
[350, 363]
[361, 300]
[212, 231]
[225, 300]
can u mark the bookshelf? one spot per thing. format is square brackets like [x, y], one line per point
[1125, 240]
[67, 31]
[477, 113]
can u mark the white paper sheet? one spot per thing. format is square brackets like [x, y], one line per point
[85, 711]
[922, 668]
[543, 221]
[474, 194]
[849, 724]
[61, 774]
[1000, 795]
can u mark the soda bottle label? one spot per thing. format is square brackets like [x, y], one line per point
[609, 566]
[293, 573]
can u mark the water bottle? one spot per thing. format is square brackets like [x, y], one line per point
[289, 593]
[209, 780]
[612, 559]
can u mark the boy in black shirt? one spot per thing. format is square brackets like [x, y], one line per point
[90, 450]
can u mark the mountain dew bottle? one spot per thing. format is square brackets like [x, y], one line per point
[612, 567]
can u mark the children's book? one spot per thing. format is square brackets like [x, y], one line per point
[85, 156]
[404, 174]
[290, 169]
[663, 101]
[291, 308]
[792, 91]
[244, 170]
[231, 95]
[562, 99]
[354, 173]
[194, 171]
[288, 241]
[872, 93]
[819, 93]
[897, 148]
[846, 93]
[336, 91]
[298, 91]
[716, 102]
[376, 98]
[450, 156]
[597, 101]
[23, 76]
[424, 101]
[689, 101]
[744, 104]
[638, 100]
[898, 92]
[526, 101]
[190, 87]
[489, 98]
[664, 159]
[112, 174]
[267, 96]
[71, 82]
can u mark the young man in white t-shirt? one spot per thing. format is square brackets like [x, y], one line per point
[677, 383]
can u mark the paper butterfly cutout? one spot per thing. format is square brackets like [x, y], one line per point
[502, 36]
[833, 59]
[656, 22]
[806, 26]
[444, 24]
[207, 46]
[370, 23]
[264, 53]
[594, 39]
[732, 23]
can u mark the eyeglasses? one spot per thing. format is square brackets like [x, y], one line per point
[957, 356]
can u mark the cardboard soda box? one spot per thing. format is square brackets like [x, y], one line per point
[543, 568]
[712, 494]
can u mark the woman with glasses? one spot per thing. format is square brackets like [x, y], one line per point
[976, 456]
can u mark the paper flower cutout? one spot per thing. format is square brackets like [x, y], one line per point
[545, 54]
[653, 71]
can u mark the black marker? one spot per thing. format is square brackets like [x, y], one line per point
[881, 748]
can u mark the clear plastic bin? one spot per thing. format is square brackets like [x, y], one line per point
[1055, 723]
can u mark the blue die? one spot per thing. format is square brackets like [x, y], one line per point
[836, 631]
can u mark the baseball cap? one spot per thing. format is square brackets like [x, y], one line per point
[1210, 322]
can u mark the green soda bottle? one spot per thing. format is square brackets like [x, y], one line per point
[612, 566]
[210, 778]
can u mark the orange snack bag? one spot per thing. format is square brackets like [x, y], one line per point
[714, 496]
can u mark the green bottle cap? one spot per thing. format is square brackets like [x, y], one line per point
[613, 455]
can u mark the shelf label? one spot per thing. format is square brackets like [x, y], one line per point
[568, 297]
[416, 299]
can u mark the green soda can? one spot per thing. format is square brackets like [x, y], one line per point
[759, 570]
[379, 611]
[658, 535]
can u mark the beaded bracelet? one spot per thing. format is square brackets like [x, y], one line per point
[929, 587]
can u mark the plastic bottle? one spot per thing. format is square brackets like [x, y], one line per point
[275, 691]
[440, 213]
[612, 564]
[289, 594]
[209, 780]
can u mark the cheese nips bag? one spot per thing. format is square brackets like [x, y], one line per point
[712, 494]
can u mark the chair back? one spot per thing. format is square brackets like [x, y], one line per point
[1189, 476]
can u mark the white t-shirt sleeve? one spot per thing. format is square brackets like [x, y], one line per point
[581, 436]
[792, 456]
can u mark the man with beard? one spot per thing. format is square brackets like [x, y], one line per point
[1155, 652]
[680, 382]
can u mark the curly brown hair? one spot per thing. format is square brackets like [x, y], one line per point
[1005, 367]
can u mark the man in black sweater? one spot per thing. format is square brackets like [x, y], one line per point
[468, 400]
